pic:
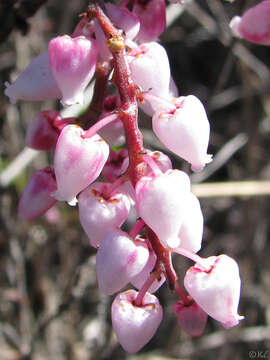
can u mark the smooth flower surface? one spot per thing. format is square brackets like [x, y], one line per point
[135, 325]
[98, 212]
[216, 291]
[161, 202]
[254, 25]
[191, 318]
[35, 83]
[36, 197]
[73, 64]
[119, 258]
[78, 161]
[189, 123]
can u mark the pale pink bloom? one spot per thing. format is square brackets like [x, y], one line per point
[103, 50]
[78, 161]
[254, 25]
[135, 325]
[191, 318]
[191, 230]
[161, 202]
[116, 165]
[99, 212]
[150, 70]
[84, 28]
[189, 123]
[152, 15]
[73, 64]
[35, 83]
[53, 215]
[36, 199]
[41, 133]
[217, 291]
[119, 258]
[139, 280]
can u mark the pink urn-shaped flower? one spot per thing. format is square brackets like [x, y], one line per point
[191, 318]
[161, 202]
[99, 210]
[216, 288]
[36, 198]
[119, 258]
[73, 63]
[41, 133]
[35, 83]
[78, 161]
[254, 25]
[135, 325]
[189, 123]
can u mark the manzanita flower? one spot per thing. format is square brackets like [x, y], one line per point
[162, 160]
[73, 63]
[191, 318]
[161, 202]
[119, 258]
[254, 25]
[191, 230]
[36, 198]
[35, 83]
[99, 210]
[135, 325]
[189, 123]
[216, 290]
[150, 12]
[78, 161]
[41, 133]
[150, 69]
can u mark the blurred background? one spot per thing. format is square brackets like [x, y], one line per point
[50, 305]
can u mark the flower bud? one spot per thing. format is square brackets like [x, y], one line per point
[119, 258]
[35, 83]
[73, 63]
[189, 123]
[135, 325]
[78, 161]
[254, 25]
[161, 202]
[36, 198]
[41, 133]
[191, 318]
[150, 12]
[217, 290]
[116, 164]
[99, 212]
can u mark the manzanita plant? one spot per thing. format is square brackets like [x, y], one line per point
[117, 43]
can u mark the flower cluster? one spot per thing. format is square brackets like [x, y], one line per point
[117, 44]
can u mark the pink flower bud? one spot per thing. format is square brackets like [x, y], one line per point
[78, 162]
[189, 123]
[254, 25]
[114, 133]
[119, 258]
[35, 83]
[36, 199]
[191, 318]
[191, 230]
[139, 280]
[162, 160]
[217, 290]
[41, 133]
[161, 202]
[135, 325]
[73, 63]
[99, 212]
[150, 69]
[152, 15]
[116, 164]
